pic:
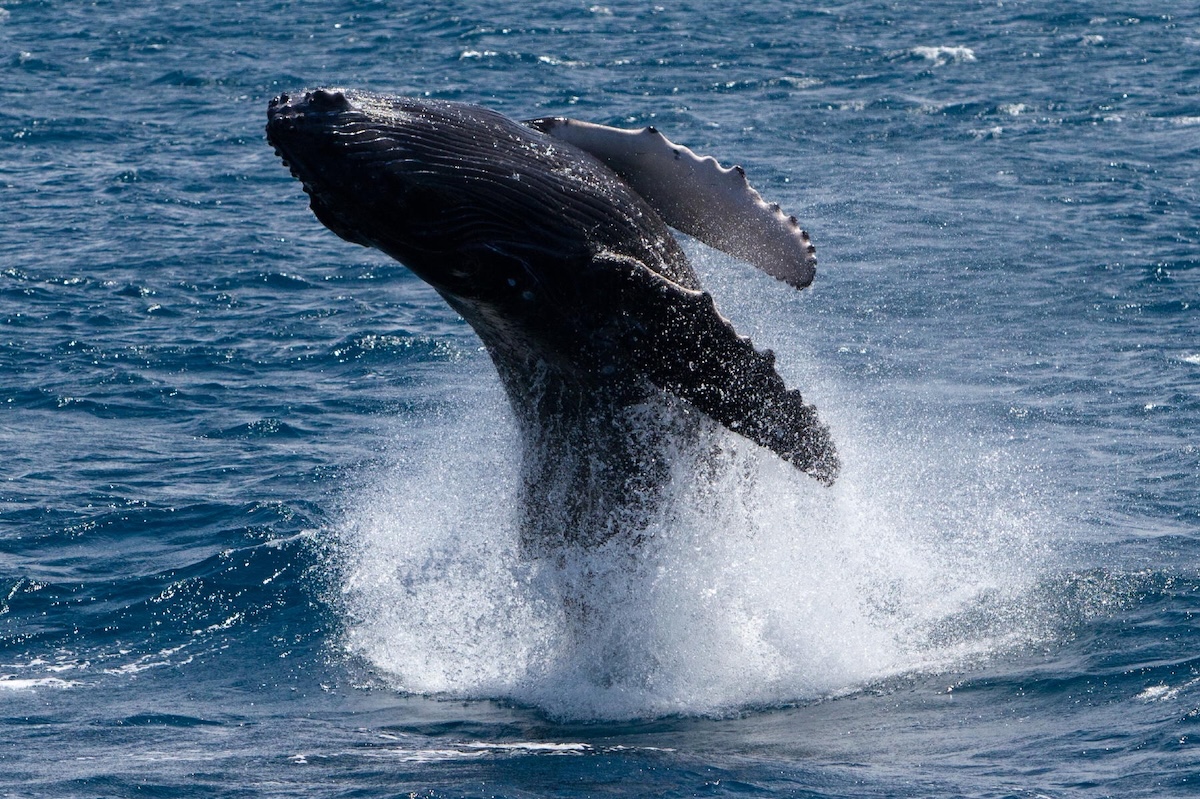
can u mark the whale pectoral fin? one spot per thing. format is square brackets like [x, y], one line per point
[677, 337]
[697, 196]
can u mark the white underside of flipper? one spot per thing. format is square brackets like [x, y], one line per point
[697, 196]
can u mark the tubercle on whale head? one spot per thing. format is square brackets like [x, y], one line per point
[317, 100]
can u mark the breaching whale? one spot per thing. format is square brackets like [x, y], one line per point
[550, 238]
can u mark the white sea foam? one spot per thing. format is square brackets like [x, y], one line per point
[943, 55]
[1166, 693]
[993, 132]
[476, 750]
[13, 683]
[160, 659]
[799, 82]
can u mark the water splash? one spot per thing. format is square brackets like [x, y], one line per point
[755, 586]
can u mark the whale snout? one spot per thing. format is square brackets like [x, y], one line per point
[289, 114]
[301, 127]
[304, 130]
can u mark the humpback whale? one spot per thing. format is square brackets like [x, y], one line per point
[551, 239]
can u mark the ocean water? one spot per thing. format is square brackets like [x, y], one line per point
[256, 515]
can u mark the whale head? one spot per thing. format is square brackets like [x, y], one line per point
[443, 186]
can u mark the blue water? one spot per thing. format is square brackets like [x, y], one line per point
[256, 532]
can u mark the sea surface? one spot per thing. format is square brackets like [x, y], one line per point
[257, 484]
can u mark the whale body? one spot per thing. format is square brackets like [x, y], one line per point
[551, 239]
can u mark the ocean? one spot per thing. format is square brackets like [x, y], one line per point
[258, 485]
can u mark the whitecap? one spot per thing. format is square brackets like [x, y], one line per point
[1166, 693]
[1156, 693]
[11, 683]
[987, 133]
[942, 55]
[555, 61]
[800, 83]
